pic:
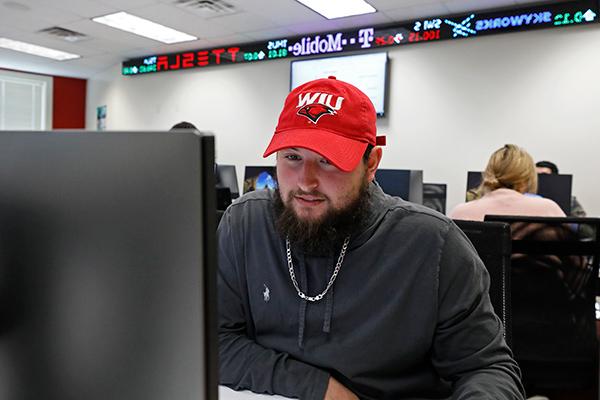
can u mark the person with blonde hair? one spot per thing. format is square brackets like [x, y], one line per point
[508, 187]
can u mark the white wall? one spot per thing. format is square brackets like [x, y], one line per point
[451, 105]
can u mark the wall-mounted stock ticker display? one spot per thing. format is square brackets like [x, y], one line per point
[556, 14]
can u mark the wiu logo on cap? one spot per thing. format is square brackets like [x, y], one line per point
[314, 105]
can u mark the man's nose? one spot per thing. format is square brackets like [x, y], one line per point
[308, 179]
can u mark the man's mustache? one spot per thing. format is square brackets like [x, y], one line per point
[314, 193]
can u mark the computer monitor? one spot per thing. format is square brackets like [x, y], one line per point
[404, 183]
[556, 187]
[434, 196]
[227, 177]
[258, 178]
[474, 179]
[107, 266]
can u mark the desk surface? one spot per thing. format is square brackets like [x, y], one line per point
[229, 394]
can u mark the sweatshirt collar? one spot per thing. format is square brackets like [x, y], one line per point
[378, 207]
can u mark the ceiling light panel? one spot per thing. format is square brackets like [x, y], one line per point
[339, 8]
[36, 50]
[143, 27]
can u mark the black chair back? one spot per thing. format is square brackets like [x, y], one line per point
[493, 244]
[554, 277]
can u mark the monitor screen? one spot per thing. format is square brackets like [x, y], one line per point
[107, 266]
[365, 71]
[556, 187]
[227, 177]
[258, 178]
[474, 179]
[404, 183]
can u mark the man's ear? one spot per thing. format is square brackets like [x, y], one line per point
[373, 163]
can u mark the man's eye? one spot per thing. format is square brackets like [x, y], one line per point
[325, 161]
[292, 157]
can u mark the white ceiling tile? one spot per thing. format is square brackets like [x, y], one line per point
[30, 21]
[287, 12]
[247, 22]
[83, 8]
[184, 21]
[313, 27]
[228, 40]
[377, 18]
[270, 34]
[40, 9]
[176, 48]
[461, 6]
[125, 5]
[416, 12]
[20, 23]
[384, 5]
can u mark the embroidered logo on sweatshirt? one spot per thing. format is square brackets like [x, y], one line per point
[266, 293]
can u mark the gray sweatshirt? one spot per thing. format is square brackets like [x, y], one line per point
[408, 317]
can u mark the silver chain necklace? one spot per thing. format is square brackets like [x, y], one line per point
[331, 280]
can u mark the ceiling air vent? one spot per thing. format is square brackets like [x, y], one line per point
[64, 34]
[208, 8]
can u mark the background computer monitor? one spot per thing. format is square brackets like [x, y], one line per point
[434, 196]
[556, 187]
[404, 183]
[227, 177]
[107, 266]
[258, 178]
[474, 179]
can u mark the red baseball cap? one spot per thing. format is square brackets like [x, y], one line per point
[330, 117]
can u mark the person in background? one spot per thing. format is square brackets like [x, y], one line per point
[510, 174]
[223, 193]
[331, 289]
[183, 125]
[547, 167]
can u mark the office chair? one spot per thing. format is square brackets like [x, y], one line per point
[492, 242]
[223, 198]
[219, 216]
[554, 275]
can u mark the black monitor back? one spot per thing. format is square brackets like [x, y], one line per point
[259, 178]
[404, 183]
[558, 188]
[107, 266]
[492, 241]
[551, 186]
[434, 196]
[554, 278]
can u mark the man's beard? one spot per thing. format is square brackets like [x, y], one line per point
[322, 236]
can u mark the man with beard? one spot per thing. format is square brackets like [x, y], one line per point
[330, 289]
